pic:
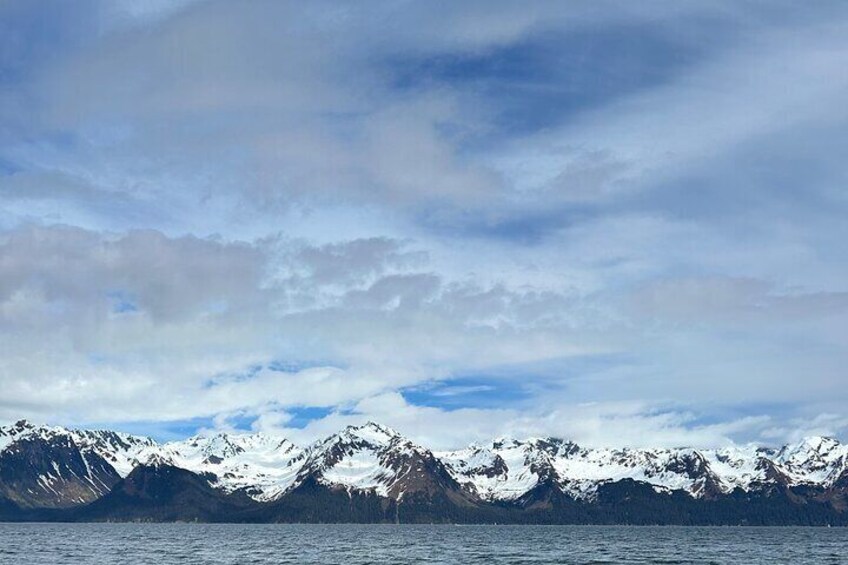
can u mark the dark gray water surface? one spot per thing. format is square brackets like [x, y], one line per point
[163, 544]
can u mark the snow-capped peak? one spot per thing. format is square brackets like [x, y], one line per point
[12, 432]
[814, 459]
[375, 458]
[25, 429]
[19, 426]
[370, 432]
[820, 445]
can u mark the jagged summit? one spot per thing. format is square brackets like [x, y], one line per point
[23, 424]
[370, 431]
[812, 444]
[25, 427]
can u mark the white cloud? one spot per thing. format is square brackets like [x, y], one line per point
[685, 236]
[596, 424]
[141, 325]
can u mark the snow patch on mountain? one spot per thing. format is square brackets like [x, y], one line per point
[263, 465]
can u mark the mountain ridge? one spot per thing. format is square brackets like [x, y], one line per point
[46, 469]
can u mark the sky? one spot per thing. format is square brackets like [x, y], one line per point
[621, 223]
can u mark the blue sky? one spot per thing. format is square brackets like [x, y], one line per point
[617, 222]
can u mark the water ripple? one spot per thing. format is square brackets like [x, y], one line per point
[208, 544]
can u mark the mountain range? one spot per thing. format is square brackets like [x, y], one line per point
[371, 473]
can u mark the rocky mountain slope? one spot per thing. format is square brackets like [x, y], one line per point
[372, 473]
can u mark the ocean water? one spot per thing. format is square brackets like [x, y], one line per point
[163, 544]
